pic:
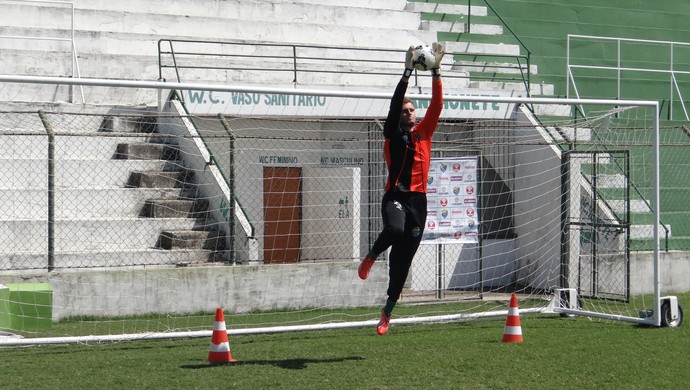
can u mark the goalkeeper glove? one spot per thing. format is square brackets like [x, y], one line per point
[438, 49]
[408, 62]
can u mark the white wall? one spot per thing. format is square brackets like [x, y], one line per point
[537, 212]
[331, 213]
[239, 289]
[462, 267]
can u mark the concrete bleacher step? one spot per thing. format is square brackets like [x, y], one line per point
[382, 4]
[636, 205]
[93, 234]
[483, 48]
[638, 232]
[33, 173]
[443, 8]
[146, 151]
[174, 208]
[109, 258]
[138, 33]
[471, 20]
[476, 37]
[461, 27]
[612, 181]
[80, 203]
[71, 146]
[640, 211]
[569, 134]
[39, 93]
[140, 125]
[517, 87]
[506, 77]
[354, 12]
[553, 110]
[189, 239]
[90, 119]
[97, 147]
[158, 179]
[485, 67]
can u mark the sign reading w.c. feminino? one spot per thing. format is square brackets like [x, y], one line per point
[297, 104]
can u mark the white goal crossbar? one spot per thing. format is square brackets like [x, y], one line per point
[10, 341]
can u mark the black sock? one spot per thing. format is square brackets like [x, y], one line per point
[388, 309]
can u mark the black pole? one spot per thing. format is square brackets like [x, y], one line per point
[51, 190]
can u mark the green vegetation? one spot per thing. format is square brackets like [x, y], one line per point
[563, 353]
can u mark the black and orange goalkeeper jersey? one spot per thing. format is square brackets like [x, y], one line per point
[408, 155]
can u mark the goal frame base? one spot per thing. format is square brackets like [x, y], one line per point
[668, 313]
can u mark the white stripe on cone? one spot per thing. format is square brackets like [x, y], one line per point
[222, 347]
[513, 330]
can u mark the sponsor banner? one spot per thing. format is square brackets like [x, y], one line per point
[452, 215]
[287, 104]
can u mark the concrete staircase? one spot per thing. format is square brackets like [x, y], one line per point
[122, 197]
[184, 204]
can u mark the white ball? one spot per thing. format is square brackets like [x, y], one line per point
[423, 57]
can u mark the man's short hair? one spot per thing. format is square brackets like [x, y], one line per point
[407, 100]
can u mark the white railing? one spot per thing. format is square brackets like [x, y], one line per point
[75, 72]
[620, 67]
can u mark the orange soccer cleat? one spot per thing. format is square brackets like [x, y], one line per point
[365, 266]
[382, 327]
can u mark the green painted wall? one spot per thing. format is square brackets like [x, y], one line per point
[26, 306]
[543, 26]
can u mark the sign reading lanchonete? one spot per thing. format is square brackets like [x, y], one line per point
[265, 104]
[452, 215]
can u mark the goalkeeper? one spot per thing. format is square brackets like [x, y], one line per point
[407, 150]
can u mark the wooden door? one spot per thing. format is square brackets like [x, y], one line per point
[282, 214]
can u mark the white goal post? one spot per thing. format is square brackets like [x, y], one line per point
[82, 188]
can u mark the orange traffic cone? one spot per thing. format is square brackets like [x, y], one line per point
[513, 330]
[220, 347]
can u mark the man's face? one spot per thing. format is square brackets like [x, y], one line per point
[407, 117]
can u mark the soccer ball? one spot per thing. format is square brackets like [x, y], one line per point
[423, 57]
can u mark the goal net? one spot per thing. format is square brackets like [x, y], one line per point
[133, 221]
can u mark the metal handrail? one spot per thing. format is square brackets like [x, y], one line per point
[672, 72]
[298, 59]
[294, 58]
[619, 69]
[73, 48]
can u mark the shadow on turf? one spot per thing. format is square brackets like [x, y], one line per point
[292, 364]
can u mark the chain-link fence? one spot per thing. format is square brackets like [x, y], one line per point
[292, 203]
[112, 190]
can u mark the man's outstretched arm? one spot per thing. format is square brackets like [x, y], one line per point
[393, 119]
